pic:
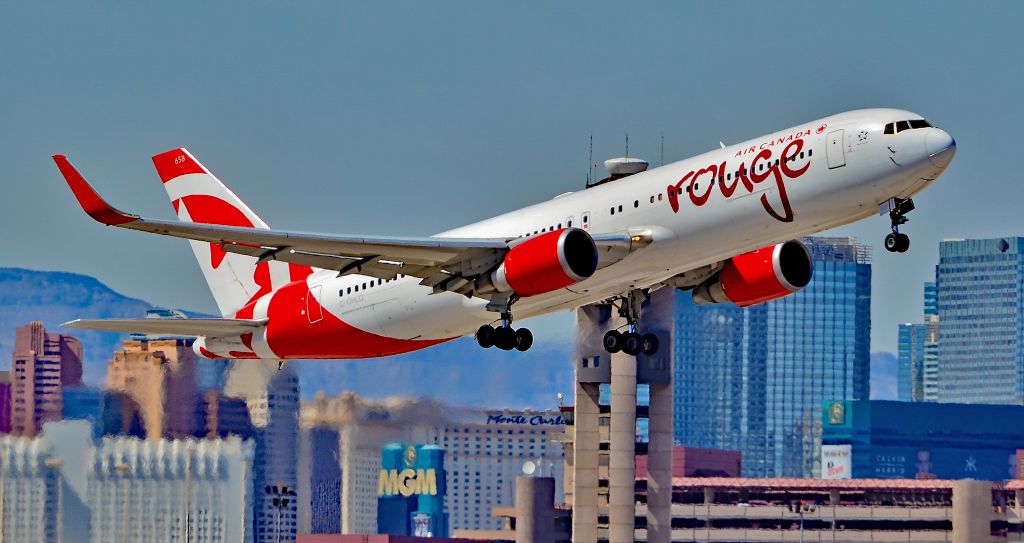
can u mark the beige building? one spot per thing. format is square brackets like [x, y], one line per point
[159, 377]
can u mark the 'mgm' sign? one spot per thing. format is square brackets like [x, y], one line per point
[407, 482]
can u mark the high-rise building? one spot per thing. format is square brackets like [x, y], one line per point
[5, 402]
[272, 397]
[918, 353]
[980, 290]
[320, 481]
[712, 409]
[64, 486]
[911, 342]
[753, 379]
[160, 376]
[43, 364]
[818, 348]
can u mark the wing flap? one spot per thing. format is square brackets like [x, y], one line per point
[172, 327]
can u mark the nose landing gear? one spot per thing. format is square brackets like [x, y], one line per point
[897, 242]
[631, 342]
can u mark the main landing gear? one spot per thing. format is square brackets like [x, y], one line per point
[897, 242]
[631, 342]
[504, 337]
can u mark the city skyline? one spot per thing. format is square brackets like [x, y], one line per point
[513, 112]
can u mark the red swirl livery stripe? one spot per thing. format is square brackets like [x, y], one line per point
[289, 333]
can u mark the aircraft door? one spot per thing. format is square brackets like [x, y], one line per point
[585, 217]
[314, 311]
[836, 149]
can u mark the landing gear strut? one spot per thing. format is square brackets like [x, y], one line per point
[897, 242]
[505, 337]
[631, 342]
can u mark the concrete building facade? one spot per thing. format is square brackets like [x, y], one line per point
[43, 364]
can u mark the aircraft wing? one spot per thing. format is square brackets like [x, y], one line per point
[171, 327]
[441, 263]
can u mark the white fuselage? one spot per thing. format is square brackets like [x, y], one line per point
[844, 181]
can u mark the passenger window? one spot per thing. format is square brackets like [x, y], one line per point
[636, 203]
[612, 211]
[620, 208]
[810, 152]
[559, 226]
[357, 288]
[801, 154]
[348, 290]
[568, 224]
[659, 196]
[728, 177]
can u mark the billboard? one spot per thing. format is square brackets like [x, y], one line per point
[836, 461]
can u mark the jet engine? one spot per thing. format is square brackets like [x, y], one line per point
[758, 276]
[546, 263]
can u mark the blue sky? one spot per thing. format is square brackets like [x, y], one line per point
[411, 118]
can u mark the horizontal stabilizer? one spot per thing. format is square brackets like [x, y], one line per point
[172, 327]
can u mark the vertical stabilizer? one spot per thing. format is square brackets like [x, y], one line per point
[198, 196]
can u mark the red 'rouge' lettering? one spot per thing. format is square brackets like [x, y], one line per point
[674, 190]
[695, 185]
[761, 168]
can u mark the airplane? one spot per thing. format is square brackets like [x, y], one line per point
[722, 224]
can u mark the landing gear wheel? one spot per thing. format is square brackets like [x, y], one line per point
[485, 336]
[891, 242]
[632, 344]
[504, 338]
[613, 341]
[649, 344]
[897, 242]
[902, 243]
[523, 339]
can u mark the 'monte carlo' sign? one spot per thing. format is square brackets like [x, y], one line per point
[526, 419]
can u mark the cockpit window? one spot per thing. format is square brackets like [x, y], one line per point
[900, 126]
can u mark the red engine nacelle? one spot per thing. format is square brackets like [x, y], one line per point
[547, 262]
[759, 276]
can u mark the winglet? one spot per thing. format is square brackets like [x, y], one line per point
[87, 197]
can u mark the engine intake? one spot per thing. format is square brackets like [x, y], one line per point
[759, 276]
[546, 263]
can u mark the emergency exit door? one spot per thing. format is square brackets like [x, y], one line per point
[835, 150]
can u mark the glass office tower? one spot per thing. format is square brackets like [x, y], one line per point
[754, 379]
[911, 362]
[980, 348]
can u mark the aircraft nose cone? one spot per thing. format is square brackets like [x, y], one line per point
[940, 147]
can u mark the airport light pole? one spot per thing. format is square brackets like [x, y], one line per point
[800, 507]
